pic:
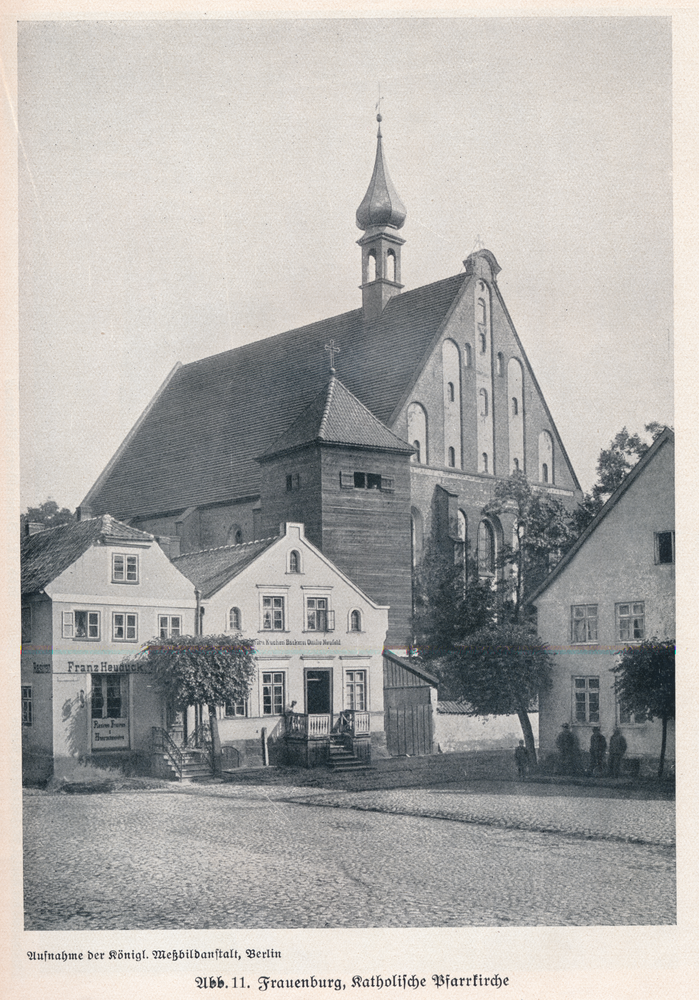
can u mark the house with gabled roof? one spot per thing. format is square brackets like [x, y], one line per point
[92, 592]
[613, 588]
[318, 688]
[436, 385]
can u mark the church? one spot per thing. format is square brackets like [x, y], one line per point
[383, 430]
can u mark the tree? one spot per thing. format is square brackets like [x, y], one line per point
[47, 514]
[202, 670]
[543, 529]
[449, 608]
[500, 670]
[613, 465]
[645, 684]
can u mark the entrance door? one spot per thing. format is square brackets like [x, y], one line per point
[318, 692]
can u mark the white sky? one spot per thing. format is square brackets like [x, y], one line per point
[190, 186]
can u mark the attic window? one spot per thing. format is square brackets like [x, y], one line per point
[124, 569]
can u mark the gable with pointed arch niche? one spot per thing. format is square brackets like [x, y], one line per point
[451, 377]
[417, 432]
[546, 468]
[516, 414]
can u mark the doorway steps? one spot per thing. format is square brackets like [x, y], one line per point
[342, 759]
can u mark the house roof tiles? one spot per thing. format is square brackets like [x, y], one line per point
[211, 569]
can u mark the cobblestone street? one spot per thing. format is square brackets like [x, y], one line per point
[226, 856]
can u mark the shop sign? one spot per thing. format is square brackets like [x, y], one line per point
[110, 734]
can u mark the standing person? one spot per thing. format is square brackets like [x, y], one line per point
[521, 760]
[598, 749]
[617, 749]
[566, 746]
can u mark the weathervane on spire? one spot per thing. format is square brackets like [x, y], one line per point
[332, 351]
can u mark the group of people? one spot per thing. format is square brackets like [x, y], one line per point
[603, 760]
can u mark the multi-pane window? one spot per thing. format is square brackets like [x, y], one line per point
[27, 706]
[586, 699]
[486, 549]
[665, 547]
[26, 623]
[583, 623]
[294, 562]
[235, 620]
[109, 696]
[630, 621]
[273, 693]
[318, 618]
[124, 569]
[236, 709]
[169, 626]
[368, 481]
[355, 690]
[273, 614]
[124, 627]
[81, 624]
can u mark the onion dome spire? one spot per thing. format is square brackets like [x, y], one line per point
[381, 205]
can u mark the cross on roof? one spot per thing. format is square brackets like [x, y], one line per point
[332, 351]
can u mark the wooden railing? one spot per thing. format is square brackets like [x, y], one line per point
[307, 726]
[360, 723]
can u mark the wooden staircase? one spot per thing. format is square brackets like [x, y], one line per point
[340, 758]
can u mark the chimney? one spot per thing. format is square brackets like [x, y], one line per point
[33, 527]
[83, 513]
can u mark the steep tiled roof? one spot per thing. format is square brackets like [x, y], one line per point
[198, 443]
[210, 569]
[47, 554]
[337, 417]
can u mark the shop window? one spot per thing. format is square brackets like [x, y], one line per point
[273, 614]
[81, 624]
[169, 626]
[235, 620]
[124, 627]
[665, 547]
[27, 705]
[318, 617]
[355, 690]
[26, 623]
[355, 623]
[109, 696]
[273, 693]
[630, 622]
[583, 623]
[124, 569]
[586, 699]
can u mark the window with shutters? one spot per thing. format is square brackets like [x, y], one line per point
[367, 481]
[81, 624]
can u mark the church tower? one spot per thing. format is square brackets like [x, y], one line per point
[381, 214]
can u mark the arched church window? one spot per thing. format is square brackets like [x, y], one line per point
[482, 340]
[451, 457]
[416, 535]
[546, 468]
[486, 549]
[480, 311]
[468, 361]
[391, 265]
[484, 462]
[501, 363]
[515, 465]
[417, 431]
[235, 622]
[515, 406]
[416, 456]
[371, 265]
[450, 392]
[483, 399]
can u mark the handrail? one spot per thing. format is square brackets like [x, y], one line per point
[163, 743]
[200, 739]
